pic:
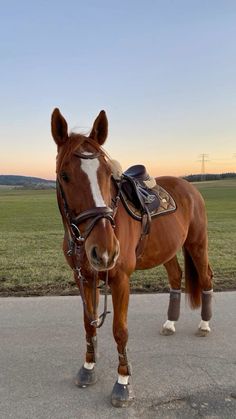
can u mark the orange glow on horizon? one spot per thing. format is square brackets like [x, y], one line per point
[43, 164]
[46, 169]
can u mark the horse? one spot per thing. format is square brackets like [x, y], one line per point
[101, 241]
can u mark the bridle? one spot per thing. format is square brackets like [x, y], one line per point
[76, 240]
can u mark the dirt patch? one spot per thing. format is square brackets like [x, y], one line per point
[71, 289]
[37, 290]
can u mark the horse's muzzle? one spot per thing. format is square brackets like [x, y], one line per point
[103, 260]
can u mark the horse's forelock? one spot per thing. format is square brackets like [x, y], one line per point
[74, 144]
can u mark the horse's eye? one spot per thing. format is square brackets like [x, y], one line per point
[65, 176]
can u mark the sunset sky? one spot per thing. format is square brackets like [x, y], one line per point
[164, 71]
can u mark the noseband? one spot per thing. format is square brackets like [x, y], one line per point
[76, 240]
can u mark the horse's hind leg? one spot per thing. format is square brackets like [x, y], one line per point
[175, 275]
[203, 287]
[87, 374]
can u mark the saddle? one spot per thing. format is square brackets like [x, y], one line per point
[142, 197]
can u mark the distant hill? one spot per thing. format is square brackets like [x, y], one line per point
[38, 183]
[26, 182]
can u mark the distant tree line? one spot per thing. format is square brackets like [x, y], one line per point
[209, 176]
[26, 182]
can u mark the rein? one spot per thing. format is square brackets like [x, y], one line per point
[76, 239]
[76, 242]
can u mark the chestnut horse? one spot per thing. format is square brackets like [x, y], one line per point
[101, 239]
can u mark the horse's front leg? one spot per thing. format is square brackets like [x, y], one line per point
[87, 374]
[122, 393]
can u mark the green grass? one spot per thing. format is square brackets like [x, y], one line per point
[31, 232]
[220, 198]
[30, 242]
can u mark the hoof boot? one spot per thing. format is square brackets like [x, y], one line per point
[122, 395]
[85, 377]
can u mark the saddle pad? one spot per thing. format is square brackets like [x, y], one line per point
[166, 206]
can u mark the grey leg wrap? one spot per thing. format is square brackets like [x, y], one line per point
[174, 305]
[206, 312]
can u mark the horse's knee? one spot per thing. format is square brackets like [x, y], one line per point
[120, 335]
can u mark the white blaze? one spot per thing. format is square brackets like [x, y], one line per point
[90, 167]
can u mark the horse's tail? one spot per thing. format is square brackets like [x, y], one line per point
[192, 285]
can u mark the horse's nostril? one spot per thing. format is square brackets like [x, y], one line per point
[101, 259]
[94, 254]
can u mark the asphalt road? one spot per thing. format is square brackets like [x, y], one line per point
[181, 376]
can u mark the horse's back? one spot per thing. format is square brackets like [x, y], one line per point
[177, 186]
[169, 231]
[186, 195]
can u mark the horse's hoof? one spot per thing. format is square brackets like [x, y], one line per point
[168, 328]
[201, 333]
[122, 395]
[85, 377]
[166, 332]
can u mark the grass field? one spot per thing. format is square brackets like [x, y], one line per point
[31, 261]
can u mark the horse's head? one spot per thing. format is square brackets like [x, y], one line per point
[84, 179]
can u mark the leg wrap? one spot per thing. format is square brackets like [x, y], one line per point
[91, 354]
[206, 312]
[174, 305]
[124, 367]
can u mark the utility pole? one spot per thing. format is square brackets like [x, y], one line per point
[203, 159]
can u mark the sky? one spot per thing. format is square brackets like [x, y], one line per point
[164, 72]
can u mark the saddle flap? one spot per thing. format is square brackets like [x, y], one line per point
[141, 194]
[142, 198]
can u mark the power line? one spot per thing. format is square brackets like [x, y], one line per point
[203, 159]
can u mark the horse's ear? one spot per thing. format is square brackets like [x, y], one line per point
[59, 127]
[100, 128]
